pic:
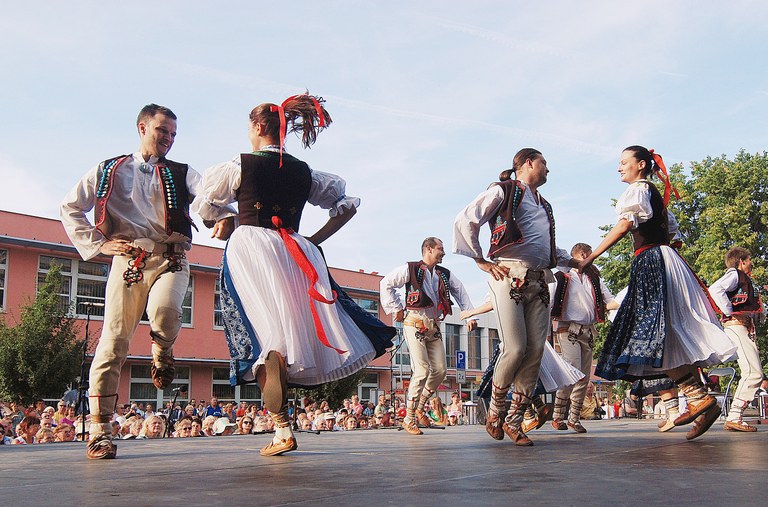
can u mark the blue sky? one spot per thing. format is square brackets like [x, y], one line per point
[430, 100]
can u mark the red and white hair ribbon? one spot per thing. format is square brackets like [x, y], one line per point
[280, 110]
[664, 177]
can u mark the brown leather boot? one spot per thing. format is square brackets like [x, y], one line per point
[694, 409]
[493, 424]
[101, 447]
[517, 435]
[705, 421]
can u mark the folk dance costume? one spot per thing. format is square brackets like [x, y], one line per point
[666, 324]
[276, 292]
[738, 299]
[427, 301]
[579, 303]
[522, 240]
[554, 374]
[147, 204]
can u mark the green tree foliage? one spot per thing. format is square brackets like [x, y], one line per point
[723, 203]
[336, 391]
[39, 356]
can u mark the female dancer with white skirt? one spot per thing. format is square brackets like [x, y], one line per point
[282, 320]
[666, 325]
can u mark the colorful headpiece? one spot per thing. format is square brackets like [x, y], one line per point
[280, 110]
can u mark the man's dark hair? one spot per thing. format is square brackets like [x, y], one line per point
[735, 255]
[150, 110]
[430, 242]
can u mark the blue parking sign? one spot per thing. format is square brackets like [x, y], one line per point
[461, 360]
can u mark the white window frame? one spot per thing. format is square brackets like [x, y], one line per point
[217, 302]
[74, 277]
[3, 278]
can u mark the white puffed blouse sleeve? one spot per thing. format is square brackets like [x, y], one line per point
[328, 191]
[219, 190]
[634, 205]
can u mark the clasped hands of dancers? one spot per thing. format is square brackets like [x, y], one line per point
[296, 327]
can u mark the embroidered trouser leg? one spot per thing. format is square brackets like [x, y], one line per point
[523, 327]
[751, 372]
[427, 355]
[161, 293]
[577, 351]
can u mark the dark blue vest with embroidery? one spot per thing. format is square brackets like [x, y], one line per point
[173, 177]
[415, 298]
[504, 228]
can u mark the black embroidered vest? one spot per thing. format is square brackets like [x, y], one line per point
[173, 177]
[268, 190]
[563, 279]
[653, 231]
[414, 294]
[744, 298]
[504, 229]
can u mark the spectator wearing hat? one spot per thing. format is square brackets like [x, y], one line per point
[223, 427]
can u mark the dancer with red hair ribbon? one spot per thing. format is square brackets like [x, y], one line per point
[286, 321]
[667, 324]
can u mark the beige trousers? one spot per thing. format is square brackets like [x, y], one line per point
[523, 325]
[425, 345]
[576, 349]
[749, 364]
[161, 293]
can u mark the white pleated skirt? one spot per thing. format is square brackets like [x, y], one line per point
[272, 290]
[555, 373]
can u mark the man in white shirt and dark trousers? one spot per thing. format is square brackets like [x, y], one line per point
[142, 220]
[522, 251]
[428, 288]
[579, 300]
[738, 299]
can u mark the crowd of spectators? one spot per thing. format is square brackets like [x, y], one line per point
[42, 423]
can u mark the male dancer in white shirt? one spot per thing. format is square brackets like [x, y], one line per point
[738, 299]
[522, 251]
[579, 301]
[142, 220]
[427, 302]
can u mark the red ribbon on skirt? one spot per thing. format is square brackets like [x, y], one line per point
[309, 271]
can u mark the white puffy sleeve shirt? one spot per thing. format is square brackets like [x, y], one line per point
[634, 206]
[221, 182]
[531, 218]
[398, 277]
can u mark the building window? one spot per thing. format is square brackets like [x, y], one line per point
[218, 318]
[3, 276]
[402, 356]
[142, 390]
[222, 390]
[186, 305]
[368, 388]
[493, 341]
[369, 305]
[82, 282]
[473, 349]
[452, 343]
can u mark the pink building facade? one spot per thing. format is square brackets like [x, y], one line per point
[29, 245]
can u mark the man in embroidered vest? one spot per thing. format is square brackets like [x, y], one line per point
[579, 301]
[522, 249]
[428, 288]
[738, 299]
[142, 221]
